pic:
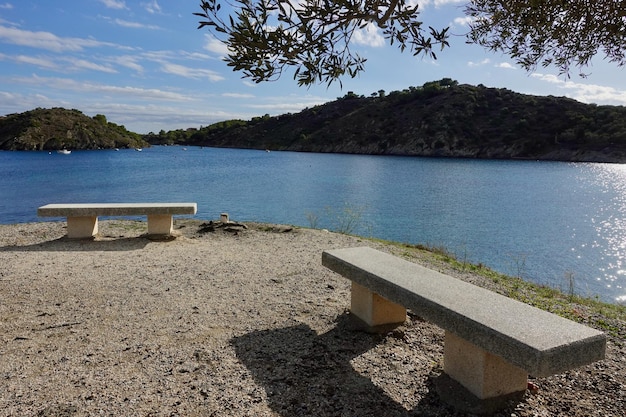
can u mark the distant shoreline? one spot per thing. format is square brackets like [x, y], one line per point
[582, 158]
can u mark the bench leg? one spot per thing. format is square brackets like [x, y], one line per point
[483, 374]
[82, 227]
[373, 309]
[160, 224]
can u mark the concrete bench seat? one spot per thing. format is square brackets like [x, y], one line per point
[82, 219]
[492, 343]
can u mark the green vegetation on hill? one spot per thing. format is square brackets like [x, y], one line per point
[440, 118]
[57, 128]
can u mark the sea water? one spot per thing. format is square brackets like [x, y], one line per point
[553, 223]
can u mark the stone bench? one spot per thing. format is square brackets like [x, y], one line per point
[82, 219]
[492, 343]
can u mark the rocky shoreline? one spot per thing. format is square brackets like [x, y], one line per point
[241, 321]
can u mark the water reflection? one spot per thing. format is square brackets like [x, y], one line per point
[609, 221]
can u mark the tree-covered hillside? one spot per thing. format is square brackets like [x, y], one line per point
[440, 118]
[57, 128]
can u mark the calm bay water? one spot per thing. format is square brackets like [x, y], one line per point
[544, 221]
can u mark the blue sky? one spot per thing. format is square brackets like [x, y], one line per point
[144, 64]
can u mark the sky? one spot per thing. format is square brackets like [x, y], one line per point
[145, 65]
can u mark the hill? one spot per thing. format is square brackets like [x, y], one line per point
[441, 118]
[57, 128]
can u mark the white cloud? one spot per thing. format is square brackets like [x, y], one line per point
[42, 40]
[134, 25]
[164, 58]
[214, 45]
[197, 56]
[152, 7]
[102, 89]
[370, 36]
[60, 65]
[478, 64]
[436, 3]
[6, 6]
[548, 78]
[39, 62]
[281, 105]
[505, 65]
[159, 56]
[48, 41]
[128, 61]
[114, 4]
[194, 73]
[439, 3]
[237, 95]
[16, 102]
[79, 64]
[8, 97]
[463, 21]
[30, 60]
[586, 93]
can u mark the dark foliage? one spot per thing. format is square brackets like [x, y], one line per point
[313, 37]
[57, 128]
[440, 118]
[561, 33]
[265, 37]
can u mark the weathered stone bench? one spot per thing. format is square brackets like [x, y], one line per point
[82, 219]
[492, 343]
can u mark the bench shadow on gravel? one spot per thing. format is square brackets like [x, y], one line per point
[304, 373]
[63, 244]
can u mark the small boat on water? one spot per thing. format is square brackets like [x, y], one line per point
[64, 151]
[138, 149]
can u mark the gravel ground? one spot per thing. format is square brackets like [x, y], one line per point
[225, 322]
